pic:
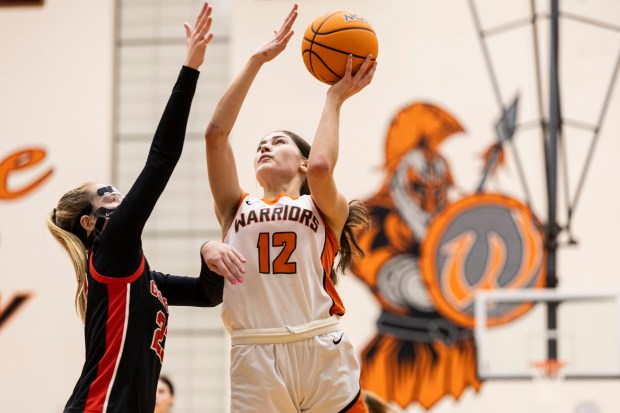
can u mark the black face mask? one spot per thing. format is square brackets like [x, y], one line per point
[103, 214]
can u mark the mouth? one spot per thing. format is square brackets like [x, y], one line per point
[263, 157]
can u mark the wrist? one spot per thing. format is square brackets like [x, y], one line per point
[256, 60]
[191, 64]
[333, 101]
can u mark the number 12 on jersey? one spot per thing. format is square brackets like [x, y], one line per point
[281, 264]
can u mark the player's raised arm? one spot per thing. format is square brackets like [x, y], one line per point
[221, 166]
[324, 154]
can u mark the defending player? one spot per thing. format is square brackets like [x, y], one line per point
[122, 302]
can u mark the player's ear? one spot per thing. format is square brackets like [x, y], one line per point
[303, 167]
[86, 222]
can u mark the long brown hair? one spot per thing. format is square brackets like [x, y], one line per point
[358, 217]
[63, 224]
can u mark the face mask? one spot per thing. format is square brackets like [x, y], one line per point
[108, 195]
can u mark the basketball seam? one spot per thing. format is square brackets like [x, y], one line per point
[334, 50]
[343, 29]
[315, 33]
[324, 64]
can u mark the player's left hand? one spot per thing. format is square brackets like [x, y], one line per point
[224, 260]
[280, 39]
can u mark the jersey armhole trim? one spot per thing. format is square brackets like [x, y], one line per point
[112, 280]
[244, 195]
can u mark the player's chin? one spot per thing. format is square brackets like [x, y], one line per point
[264, 167]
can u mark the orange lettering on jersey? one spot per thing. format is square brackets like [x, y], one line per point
[22, 159]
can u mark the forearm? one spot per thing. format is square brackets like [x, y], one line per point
[221, 166]
[229, 106]
[170, 134]
[212, 285]
[190, 291]
[131, 216]
[325, 145]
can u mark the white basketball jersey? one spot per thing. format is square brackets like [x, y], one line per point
[289, 252]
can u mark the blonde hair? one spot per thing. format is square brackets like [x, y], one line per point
[61, 222]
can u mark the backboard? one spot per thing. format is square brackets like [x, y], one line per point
[587, 334]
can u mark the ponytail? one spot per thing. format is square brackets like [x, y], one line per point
[62, 222]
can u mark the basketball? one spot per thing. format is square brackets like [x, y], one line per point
[329, 40]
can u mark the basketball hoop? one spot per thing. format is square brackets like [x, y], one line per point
[547, 376]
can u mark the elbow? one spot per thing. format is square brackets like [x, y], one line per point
[215, 134]
[214, 302]
[319, 167]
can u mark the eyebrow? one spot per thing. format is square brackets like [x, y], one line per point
[274, 137]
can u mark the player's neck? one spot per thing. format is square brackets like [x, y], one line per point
[275, 192]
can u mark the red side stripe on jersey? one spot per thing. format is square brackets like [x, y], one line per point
[116, 328]
[109, 280]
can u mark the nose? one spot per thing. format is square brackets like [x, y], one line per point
[113, 197]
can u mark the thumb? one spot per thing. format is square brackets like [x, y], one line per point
[188, 30]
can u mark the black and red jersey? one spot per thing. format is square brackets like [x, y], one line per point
[127, 302]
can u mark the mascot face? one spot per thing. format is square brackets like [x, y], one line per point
[426, 178]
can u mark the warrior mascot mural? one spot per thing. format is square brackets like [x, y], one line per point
[424, 348]
[417, 355]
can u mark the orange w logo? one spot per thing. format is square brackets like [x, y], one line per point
[460, 291]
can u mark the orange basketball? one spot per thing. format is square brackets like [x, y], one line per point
[331, 38]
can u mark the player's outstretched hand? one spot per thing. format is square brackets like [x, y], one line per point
[198, 37]
[351, 83]
[280, 39]
[224, 260]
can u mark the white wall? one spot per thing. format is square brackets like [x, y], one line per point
[55, 93]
